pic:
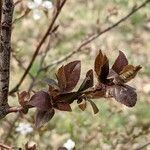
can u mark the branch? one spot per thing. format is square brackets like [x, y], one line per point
[41, 64]
[61, 60]
[143, 146]
[21, 65]
[89, 94]
[60, 94]
[10, 128]
[50, 28]
[92, 38]
[5, 147]
[95, 36]
[84, 43]
[0, 14]
[26, 12]
[5, 50]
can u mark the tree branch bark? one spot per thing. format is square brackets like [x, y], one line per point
[5, 50]
[0, 14]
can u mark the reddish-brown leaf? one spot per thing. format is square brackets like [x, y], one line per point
[125, 95]
[68, 76]
[63, 106]
[120, 62]
[61, 77]
[99, 91]
[41, 100]
[101, 67]
[87, 82]
[53, 91]
[82, 105]
[94, 107]
[104, 70]
[98, 63]
[65, 97]
[23, 98]
[53, 86]
[112, 74]
[43, 116]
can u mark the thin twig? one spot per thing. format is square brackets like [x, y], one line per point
[84, 43]
[95, 36]
[11, 127]
[26, 12]
[60, 60]
[4, 147]
[17, 2]
[92, 93]
[143, 146]
[21, 65]
[41, 64]
[50, 28]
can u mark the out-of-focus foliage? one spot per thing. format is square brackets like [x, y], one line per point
[116, 126]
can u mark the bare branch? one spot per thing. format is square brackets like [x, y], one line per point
[26, 12]
[41, 65]
[95, 36]
[6, 147]
[21, 65]
[49, 30]
[143, 146]
[10, 128]
[89, 94]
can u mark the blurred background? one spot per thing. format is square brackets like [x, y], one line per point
[115, 126]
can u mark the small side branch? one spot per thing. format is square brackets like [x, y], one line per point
[5, 147]
[49, 30]
[94, 36]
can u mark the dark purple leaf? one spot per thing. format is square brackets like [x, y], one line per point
[43, 116]
[98, 92]
[101, 67]
[94, 107]
[68, 76]
[23, 98]
[65, 97]
[41, 100]
[120, 62]
[98, 63]
[104, 70]
[82, 105]
[63, 106]
[125, 95]
[87, 82]
[112, 74]
[61, 77]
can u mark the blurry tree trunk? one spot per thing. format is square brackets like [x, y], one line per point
[5, 50]
[0, 14]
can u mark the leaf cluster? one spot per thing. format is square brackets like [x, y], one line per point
[111, 82]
